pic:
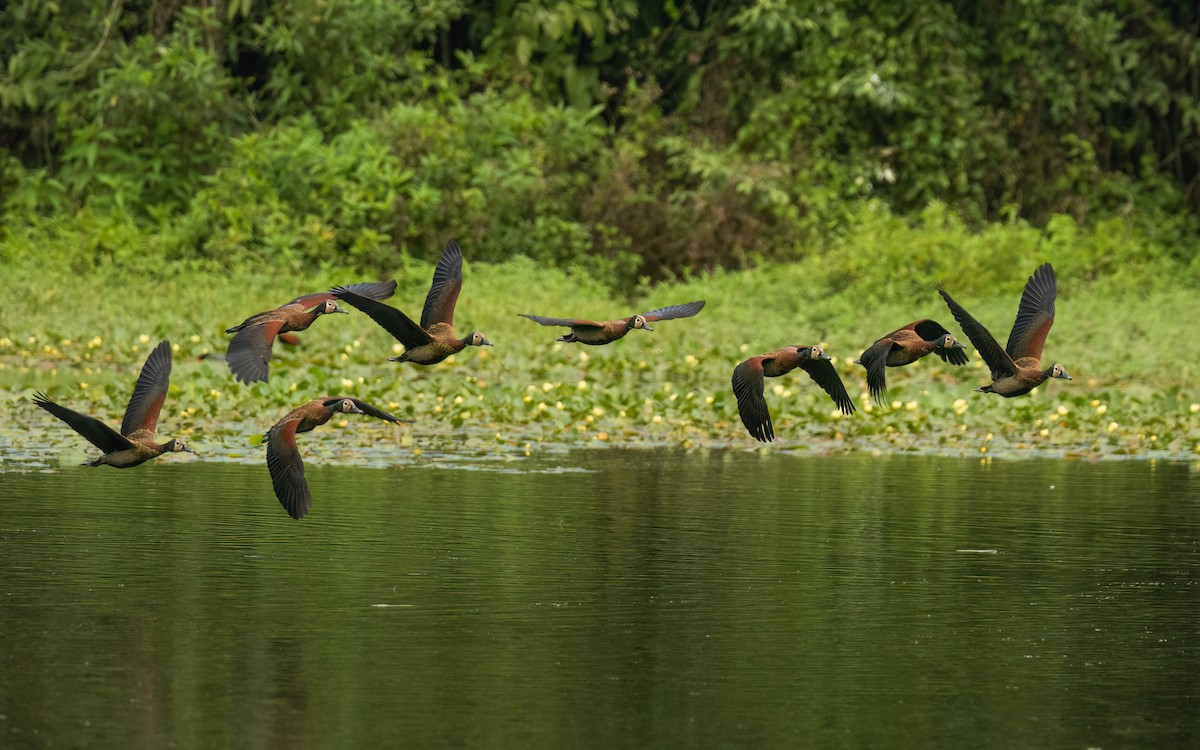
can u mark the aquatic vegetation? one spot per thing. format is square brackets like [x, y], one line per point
[76, 340]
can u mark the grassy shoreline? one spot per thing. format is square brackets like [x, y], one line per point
[84, 337]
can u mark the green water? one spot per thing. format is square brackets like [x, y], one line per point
[605, 599]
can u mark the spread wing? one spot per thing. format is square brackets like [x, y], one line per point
[927, 329]
[569, 322]
[372, 289]
[369, 410]
[150, 391]
[953, 356]
[96, 432]
[752, 407]
[674, 311]
[996, 358]
[287, 469]
[874, 359]
[825, 375]
[402, 328]
[250, 350]
[1034, 316]
[930, 330]
[443, 293]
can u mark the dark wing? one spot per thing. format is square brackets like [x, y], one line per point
[372, 289]
[930, 330]
[443, 293]
[927, 329]
[674, 311]
[250, 350]
[377, 290]
[953, 356]
[996, 358]
[150, 391]
[874, 359]
[752, 407]
[569, 322]
[309, 301]
[96, 432]
[1034, 316]
[287, 469]
[369, 410]
[253, 320]
[402, 328]
[825, 375]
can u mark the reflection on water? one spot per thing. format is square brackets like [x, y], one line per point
[643, 599]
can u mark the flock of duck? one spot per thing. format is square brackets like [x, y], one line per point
[1015, 368]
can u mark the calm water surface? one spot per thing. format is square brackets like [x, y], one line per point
[635, 599]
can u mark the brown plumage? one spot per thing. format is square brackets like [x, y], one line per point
[905, 346]
[250, 348]
[283, 456]
[434, 339]
[135, 443]
[748, 384]
[288, 339]
[598, 333]
[1017, 368]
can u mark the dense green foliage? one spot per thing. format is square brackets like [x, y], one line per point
[633, 139]
[169, 168]
[1121, 334]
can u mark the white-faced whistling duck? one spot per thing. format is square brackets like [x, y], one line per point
[434, 339]
[598, 333]
[904, 346]
[250, 349]
[1017, 368]
[283, 457]
[748, 384]
[135, 443]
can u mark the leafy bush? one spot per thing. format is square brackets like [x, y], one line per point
[634, 140]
